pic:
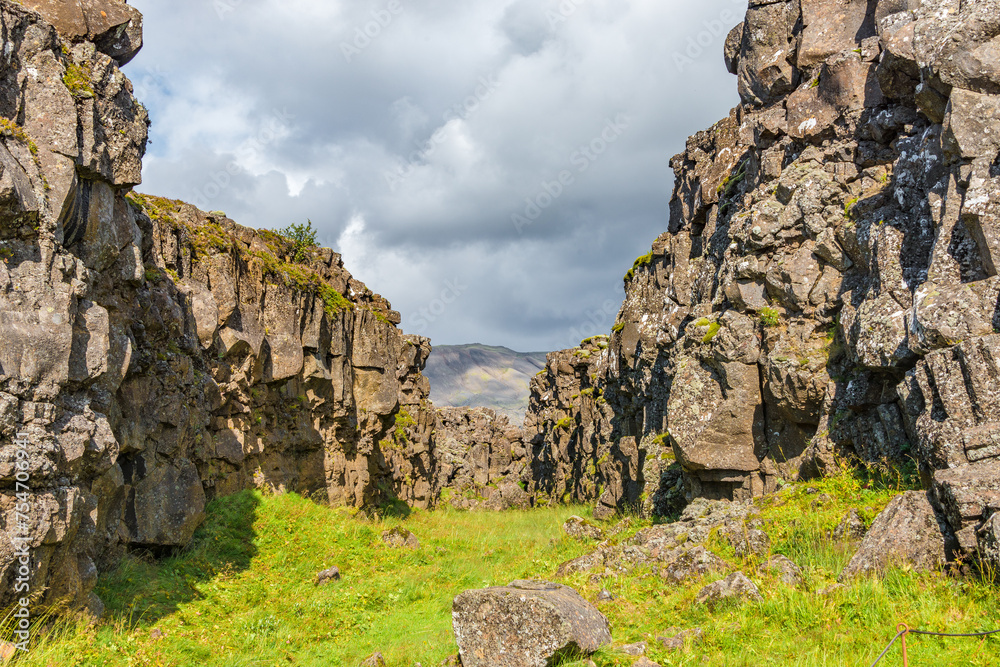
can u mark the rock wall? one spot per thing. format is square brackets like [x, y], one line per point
[565, 453]
[153, 356]
[826, 285]
[482, 461]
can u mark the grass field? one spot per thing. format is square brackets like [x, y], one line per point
[243, 594]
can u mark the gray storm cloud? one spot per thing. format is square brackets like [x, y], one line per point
[421, 136]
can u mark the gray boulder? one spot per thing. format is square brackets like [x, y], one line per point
[989, 540]
[328, 575]
[645, 662]
[675, 640]
[968, 495]
[908, 532]
[580, 528]
[399, 538]
[851, 527]
[734, 587]
[684, 564]
[525, 624]
[637, 649]
[747, 541]
[783, 568]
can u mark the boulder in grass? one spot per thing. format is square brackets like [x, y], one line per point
[685, 564]
[852, 527]
[526, 624]
[675, 640]
[734, 587]
[328, 575]
[908, 532]
[638, 648]
[783, 568]
[747, 541]
[580, 528]
[645, 662]
[400, 538]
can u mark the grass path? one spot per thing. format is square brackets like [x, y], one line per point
[242, 594]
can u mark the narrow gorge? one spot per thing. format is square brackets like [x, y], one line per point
[825, 292]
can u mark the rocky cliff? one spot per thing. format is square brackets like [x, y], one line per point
[153, 356]
[826, 286]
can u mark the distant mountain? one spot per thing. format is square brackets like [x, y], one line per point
[483, 376]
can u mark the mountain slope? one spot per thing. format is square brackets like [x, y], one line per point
[482, 376]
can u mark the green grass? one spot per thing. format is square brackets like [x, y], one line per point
[641, 261]
[242, 594]
[78, 79]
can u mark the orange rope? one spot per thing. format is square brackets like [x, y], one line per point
[902, 629]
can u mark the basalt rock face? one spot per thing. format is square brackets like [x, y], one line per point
[570, 454]
[481, 460]
[153, 356]
[563, 454]
[827, 281]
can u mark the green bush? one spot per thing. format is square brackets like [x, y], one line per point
[303, 238]
[769, 317]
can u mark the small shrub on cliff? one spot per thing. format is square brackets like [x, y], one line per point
[849, 208]
[769, 317]
[400, 433]
[404, 421]
[303, 238]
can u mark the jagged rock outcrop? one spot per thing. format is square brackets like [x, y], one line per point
[674, 550]
[579, 454]
[481, 460]
[571, 456]
[909, 532]
[826, 283]
[153, 356]
[735, 587]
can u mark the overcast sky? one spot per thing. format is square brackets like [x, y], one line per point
[492, 167]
